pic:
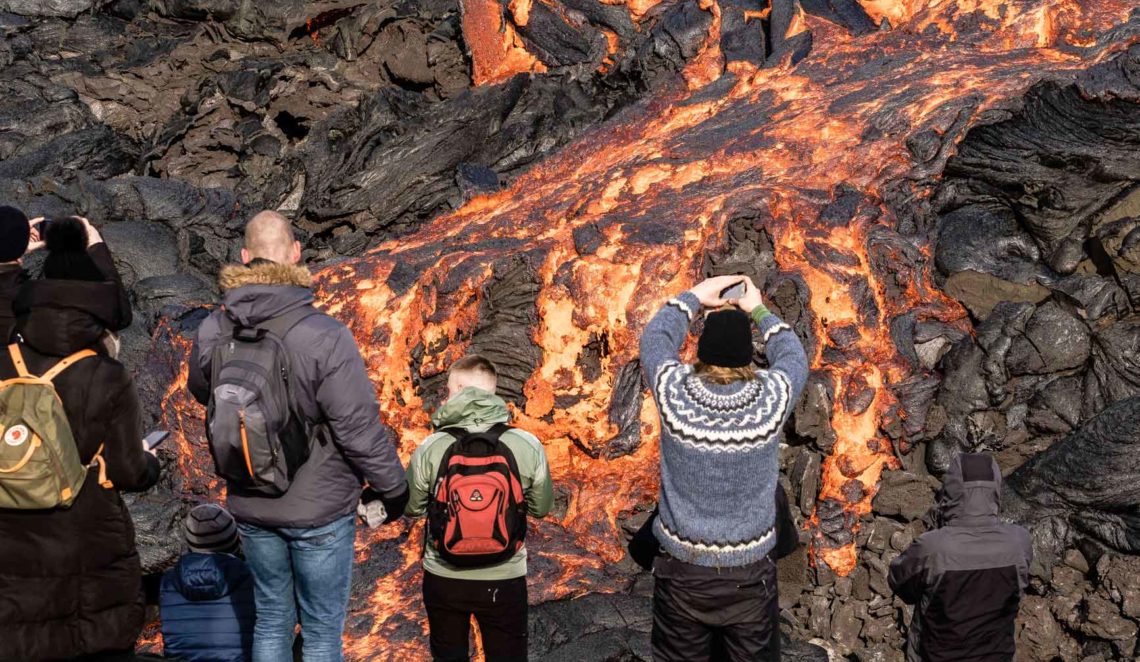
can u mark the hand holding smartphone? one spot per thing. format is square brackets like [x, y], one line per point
[154, 440]
[733, 292]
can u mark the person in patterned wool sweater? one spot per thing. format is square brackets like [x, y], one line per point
[720, 429]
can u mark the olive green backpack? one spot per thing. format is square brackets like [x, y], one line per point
[39, 461]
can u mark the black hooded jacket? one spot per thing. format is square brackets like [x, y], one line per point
[965, 578]
[70, 578]
[11, 277]
[332, 388]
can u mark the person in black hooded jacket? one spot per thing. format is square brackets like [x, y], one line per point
[70, 578]
[15, 236]
[966, 577]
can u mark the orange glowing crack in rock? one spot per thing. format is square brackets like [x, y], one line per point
[658, 183]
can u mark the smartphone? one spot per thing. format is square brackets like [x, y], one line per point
[155, 439]
[733, 292]
[42, 227]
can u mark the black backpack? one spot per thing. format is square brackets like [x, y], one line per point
[257, 438]
[477, 510]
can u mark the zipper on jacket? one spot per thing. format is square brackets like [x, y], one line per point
[245, 443]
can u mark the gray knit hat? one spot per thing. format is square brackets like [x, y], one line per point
[211, 529]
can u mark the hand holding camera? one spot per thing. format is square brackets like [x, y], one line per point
[733, 290]
[39, 228]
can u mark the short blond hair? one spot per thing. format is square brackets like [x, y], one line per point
[478, 365]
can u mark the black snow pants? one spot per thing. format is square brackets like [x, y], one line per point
[696, 610]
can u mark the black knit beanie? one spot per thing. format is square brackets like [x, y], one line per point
[14, 233]
[67, 257]
[726, 340]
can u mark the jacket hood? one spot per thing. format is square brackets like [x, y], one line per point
[971, 490]
[207, 576]
[472, 409]
[60, 317]
[263, 290]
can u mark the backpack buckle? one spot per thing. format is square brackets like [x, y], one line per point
[248, 334]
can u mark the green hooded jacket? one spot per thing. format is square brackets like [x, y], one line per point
[476, 410]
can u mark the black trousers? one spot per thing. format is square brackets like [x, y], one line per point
[499, 607]
[702, 614]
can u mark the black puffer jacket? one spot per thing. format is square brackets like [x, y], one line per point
[11, 277]
[966, 578]
[332, 387]
[70, 580]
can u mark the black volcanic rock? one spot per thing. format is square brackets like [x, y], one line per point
[49, 8]
[1085, 485]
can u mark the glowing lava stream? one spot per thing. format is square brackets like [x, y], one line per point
[652, 190]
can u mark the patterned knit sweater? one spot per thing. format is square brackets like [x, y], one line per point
[719, 443]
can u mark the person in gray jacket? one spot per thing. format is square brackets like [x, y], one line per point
[299, 545]
[966, 577]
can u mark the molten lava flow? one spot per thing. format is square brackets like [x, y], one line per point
[183, 416]
[497, 51]
[620, 220]
[491, 31]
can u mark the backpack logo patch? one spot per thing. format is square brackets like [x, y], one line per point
[17, 435]
[476, 496]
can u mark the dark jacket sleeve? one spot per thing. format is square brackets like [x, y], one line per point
[348, 402]
[129, 467]
[907, 577]
[101, 256]
[198, 370]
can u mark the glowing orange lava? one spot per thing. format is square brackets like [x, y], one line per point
[655, 187]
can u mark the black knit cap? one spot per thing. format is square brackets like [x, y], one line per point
[67, 258]
[726, 340]
[14, 234]
[211, 529]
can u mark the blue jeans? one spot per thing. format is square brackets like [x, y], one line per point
[306, 570]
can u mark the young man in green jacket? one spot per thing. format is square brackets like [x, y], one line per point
[495, 595]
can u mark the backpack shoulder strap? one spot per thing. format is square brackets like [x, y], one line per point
[66, 363]
[455, 433]
[497, 430]
[493, 432]
[18, 360]
[283, 324]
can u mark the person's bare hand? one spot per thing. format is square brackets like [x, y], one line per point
[751, 298]
[93, 236]
[35, 241]
[708, 291]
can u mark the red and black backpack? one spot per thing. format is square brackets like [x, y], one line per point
[477, 513]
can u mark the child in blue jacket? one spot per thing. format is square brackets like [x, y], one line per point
[207, 599]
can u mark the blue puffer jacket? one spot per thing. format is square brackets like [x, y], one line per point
[207, 609]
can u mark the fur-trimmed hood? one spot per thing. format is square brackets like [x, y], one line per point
[264, 290]
[264, 272]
